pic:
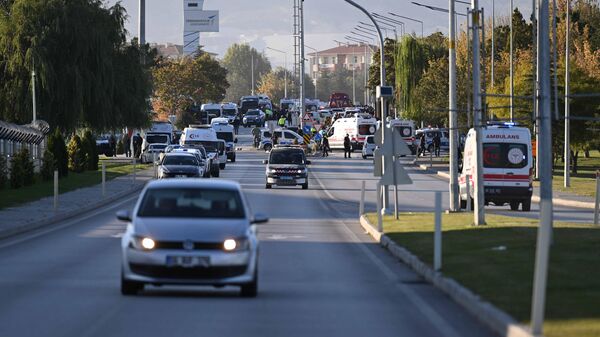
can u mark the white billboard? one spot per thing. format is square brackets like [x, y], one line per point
[201, 21]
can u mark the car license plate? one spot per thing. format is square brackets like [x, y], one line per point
[188, 261]
[180, 176]
[286, 178]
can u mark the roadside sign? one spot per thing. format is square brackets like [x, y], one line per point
[402, 177]
[306, 138]
[306, 129]
[317, 137]
[377, 163]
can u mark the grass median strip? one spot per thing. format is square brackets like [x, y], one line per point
[40, 189]
[496, 262]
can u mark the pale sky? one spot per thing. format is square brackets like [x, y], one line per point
[263, 23]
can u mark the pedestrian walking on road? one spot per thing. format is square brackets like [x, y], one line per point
[126, 145]
[422, 144]
[325, 147]
[347, 147]
[281, 121]
[236, 124]
[436, 144]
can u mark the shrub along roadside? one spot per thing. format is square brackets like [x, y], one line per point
[56, 145]
[76, 154]
[3, 172]
[88, 144]
[21, 169]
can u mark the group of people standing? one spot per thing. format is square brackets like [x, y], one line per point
[435, 142]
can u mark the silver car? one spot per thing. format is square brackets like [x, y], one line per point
[190, 232]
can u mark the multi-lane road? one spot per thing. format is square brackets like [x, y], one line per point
[320, 275]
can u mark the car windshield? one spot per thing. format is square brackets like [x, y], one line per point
[157, 139]
[504, 155]
[370, 140]
[252, 113]
[287, 157]
[179, 160]
[226, 136]
[192, 203]
[158, 146]
[229, 112]
[213, 111]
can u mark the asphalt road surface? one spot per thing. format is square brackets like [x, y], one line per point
[320, 275]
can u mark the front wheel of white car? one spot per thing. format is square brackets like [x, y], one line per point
[250, 289]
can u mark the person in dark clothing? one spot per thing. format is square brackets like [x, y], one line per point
[347, 147]
[112, 142]
[325, 146]
[236, 124]
[422, 144]
[436, 144]
[126, 145]
[275, 140]
[137, 145]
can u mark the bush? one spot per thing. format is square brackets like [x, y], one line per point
[3, 172]
[21, 169]
[76, 154]
[56, 145]
[48, 165]
[120, 147]
[88, 145]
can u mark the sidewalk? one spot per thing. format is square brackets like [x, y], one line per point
[36, 214]
[560, 198]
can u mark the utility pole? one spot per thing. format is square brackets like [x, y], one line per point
[302, 102]
[33, 93]
[567, 173]
[454, 192]
[479, 210]
[252, 69]
[493, 46]
[142, 27]
[545, 169]
[512, 68]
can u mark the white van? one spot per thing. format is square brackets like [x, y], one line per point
[225, 132]
[356, 127]
[206, 136]
[229, 111]
[210, 111]
[507, 166]
[406, 130]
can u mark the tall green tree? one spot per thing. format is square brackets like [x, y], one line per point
[238, 62]
[87, 75]
[180, 83]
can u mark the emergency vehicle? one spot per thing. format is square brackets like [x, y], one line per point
[406, 130]
[356, 127]
[225, 131]
[206, 136]
[507, 166]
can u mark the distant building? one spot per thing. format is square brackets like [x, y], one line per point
[168, 50]
[352, 56]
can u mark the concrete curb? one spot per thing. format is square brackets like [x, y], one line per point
[33, 225]
[535, 198]
[496, 319]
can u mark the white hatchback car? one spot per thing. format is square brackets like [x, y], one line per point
[368, 147]
[190, 232]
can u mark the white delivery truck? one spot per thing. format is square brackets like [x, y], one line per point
[225, 132]
[507, 166]
[406, 130]
[206, 136]
[358, 128]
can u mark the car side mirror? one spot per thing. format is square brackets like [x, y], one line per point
[308, 162]
[265, 161]
[259, 218]
[124, 215]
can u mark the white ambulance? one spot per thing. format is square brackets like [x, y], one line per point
[507, 166]
[358, 128]
[226, 132]
[406, 130]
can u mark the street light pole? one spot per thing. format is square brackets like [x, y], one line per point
[479, 210]
[302, 64]
[493, 46]
[142, 27]
[33, 93]
[454, 190]
[411, 19]
[285, 69]
[567, 172]
[316, 72]
[512, 68]
[545, 169]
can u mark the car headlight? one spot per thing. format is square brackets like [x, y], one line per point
[142, 243]
[272, 171]
[301, 171]
[231, 245]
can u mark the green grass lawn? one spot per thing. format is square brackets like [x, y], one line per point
[40, 189]
[473, 257]
[582, 183]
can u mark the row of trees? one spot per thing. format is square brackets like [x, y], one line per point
[88, 75]
[418, 67]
